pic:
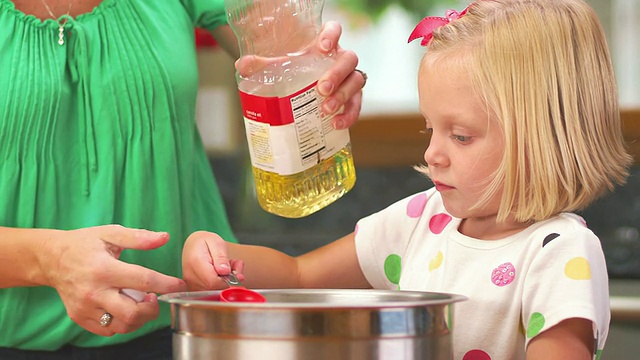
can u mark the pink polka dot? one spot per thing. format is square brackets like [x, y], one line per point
[504, 274]
[415, 207]
[438, 222]
[476, 355]
[584, 222]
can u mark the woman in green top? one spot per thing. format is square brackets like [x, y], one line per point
[98, 141]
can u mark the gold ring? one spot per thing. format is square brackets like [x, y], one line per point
[105, 319]
[364, 76]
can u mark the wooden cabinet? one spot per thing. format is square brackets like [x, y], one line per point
[396, 140]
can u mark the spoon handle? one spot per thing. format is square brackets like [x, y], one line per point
[231, 279]
[136, 295]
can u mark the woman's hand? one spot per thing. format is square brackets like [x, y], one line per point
[204, 257]
[342, 84]
[83, 266]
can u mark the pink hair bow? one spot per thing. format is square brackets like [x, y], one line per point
[425, 27]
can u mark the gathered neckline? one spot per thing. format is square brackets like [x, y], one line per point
[36, 21]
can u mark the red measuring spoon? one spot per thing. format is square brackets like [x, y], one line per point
[238, 293]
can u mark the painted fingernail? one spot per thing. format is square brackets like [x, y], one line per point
[325, 44]
[325, 88]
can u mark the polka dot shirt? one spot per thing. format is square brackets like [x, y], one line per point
[517, 287]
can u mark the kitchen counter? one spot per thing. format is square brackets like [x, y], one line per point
[624, 332]
[625, 300]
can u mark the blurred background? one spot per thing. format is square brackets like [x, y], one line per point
[386, 142]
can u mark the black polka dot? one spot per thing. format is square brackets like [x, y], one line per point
[549, 238]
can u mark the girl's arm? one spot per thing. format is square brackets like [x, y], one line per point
[206, 255]
[572, 339]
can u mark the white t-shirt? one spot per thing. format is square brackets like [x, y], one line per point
[517, 287]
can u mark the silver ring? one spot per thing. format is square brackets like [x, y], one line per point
[105, 319]
[364, 76]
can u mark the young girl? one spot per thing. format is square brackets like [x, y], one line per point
[520, 101]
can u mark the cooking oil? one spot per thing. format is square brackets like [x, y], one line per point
[300, 162]
[304, 193]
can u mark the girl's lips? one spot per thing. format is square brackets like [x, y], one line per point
[442, 187]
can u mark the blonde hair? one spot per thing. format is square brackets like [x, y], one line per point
[544, 70]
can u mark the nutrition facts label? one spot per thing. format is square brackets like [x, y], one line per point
[307, 118]
[287, 135]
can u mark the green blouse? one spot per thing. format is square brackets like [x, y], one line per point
[101, 130]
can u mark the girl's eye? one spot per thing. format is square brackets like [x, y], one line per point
[461, 138]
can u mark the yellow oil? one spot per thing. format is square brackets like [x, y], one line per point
[304, 193]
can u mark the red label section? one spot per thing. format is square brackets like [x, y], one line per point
[269, 110]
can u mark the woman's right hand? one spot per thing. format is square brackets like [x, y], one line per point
[83, 266]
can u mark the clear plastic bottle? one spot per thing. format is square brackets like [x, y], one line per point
[300, 162]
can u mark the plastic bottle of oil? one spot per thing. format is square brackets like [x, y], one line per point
[300, 162]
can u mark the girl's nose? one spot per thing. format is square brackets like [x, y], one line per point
[434, 154]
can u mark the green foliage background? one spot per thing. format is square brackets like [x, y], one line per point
[375, 8]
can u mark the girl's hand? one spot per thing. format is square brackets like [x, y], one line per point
[83, 266]
[204, 257]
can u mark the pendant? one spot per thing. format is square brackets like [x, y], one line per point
[61, 35]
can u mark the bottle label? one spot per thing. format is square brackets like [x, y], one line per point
[287, 135]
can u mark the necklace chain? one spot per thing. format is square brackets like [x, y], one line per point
[60, 24]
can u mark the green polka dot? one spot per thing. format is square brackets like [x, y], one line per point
[392, 268]
[536, 323]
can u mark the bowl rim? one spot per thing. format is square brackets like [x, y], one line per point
[402, 299]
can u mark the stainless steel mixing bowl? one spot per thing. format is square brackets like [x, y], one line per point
[314, 324]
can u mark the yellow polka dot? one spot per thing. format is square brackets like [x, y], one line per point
[436, 261]
[578, 269]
